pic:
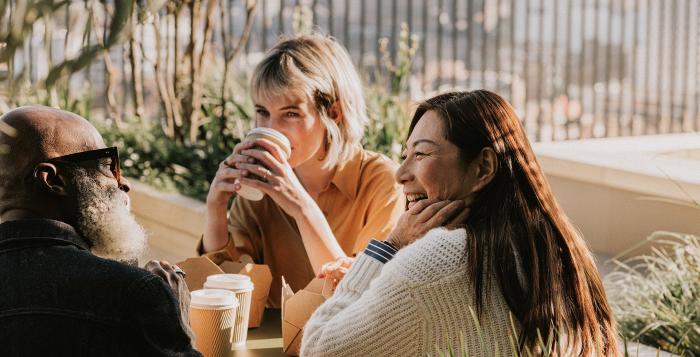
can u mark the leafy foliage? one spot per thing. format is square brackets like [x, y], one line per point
[151, 156]
[188, 167]
[389, 107]
[656, 297]
[172, 151]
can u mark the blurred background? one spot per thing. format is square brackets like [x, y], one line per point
[573, 69]
[607, 90]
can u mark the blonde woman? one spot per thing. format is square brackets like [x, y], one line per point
[330, 197]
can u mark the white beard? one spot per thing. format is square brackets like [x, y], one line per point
[104, 219]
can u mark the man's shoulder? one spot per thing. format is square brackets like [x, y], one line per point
[126, 270]
[118, 274]
[78, 282]
[134, 283]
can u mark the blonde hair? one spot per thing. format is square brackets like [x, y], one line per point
[319, 69]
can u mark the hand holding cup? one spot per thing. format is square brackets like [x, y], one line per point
[225, 182]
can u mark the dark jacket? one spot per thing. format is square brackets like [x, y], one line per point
[58, 299]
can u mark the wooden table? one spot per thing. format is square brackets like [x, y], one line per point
[265, 340]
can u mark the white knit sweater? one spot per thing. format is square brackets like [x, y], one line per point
[416, 304]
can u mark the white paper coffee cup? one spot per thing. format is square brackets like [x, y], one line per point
[276, 137]
[212, 318]
[242, 287]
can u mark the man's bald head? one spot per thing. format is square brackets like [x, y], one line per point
[33, 134]
[44, 132]
[95, 203]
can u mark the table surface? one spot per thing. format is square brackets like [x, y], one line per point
[265, 340]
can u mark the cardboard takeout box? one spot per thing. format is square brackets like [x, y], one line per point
[297, 308]
[198, 269]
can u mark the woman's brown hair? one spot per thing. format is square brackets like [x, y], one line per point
[518, 234]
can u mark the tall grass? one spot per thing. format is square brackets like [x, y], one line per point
[656, 297]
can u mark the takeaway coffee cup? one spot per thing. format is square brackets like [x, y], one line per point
[242, 286]
[212, 316]
[277, 138]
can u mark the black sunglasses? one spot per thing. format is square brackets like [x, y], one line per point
[108, 169]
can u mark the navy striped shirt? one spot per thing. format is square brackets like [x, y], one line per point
[381, 251]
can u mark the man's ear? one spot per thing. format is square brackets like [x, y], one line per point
[49, 179]
[486, 167]
[335, 113]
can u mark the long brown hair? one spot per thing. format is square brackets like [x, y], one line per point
[519, 234]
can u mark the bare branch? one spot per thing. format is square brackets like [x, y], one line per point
[121, 18]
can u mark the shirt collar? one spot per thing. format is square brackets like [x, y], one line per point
[41, 229]
[347, 175]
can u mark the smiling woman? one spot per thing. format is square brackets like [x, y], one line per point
[482, 253]
[430, 155]
[330, 197]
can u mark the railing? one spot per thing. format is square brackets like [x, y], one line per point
[572, 69]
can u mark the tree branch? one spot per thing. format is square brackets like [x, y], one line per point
[121, 18]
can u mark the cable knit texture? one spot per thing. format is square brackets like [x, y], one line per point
[415, 305]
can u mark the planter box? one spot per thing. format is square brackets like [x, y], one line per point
[617, 191]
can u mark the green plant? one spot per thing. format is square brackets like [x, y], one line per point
[150, 156]
[388, 125]
[656, 296]
[153, 157]
[389, 107]
[187, 167]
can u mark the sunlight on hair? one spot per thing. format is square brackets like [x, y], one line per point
[318, 69]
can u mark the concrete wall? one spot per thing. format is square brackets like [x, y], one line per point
[610, 219]
[613, 220]
[618, 191]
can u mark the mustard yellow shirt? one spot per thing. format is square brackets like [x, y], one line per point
[363, 202]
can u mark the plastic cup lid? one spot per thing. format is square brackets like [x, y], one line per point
[275, 134]
[229, 281]
[213, 298]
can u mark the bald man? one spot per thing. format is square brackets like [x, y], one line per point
[65, 226]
